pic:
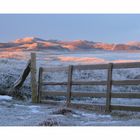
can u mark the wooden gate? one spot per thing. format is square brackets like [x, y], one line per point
[109, 83]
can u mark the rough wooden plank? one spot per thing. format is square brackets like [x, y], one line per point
[114, 82]
[77, 83]
[126, 82]
[40, 84]
[126, 65]
[53, 93]
[94, 95]
[54, 83]
[55, 69]
[90, 67]
[33, 78]
[105, 66]
[126, 95]
[103, 95]
[109, 87]
[69, 84]
[89, 82]
[125, 108]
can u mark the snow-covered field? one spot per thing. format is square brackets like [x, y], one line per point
[24, 113]
[18, 113]
[12, 67]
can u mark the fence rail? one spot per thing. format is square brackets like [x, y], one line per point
[109, 83]
[96, 95]
[119, 82]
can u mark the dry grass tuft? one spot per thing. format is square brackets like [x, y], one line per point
[49, 122]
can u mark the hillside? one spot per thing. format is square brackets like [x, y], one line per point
[33, 43]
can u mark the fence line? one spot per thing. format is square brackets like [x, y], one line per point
[109, 82]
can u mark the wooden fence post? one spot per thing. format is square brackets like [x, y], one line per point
[40, 84]
[33, 78]
[109, 88]
[70, 70]
[18, 84]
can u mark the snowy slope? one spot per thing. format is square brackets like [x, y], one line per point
[34, 43]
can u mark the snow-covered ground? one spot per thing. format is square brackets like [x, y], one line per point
[24, 113]
[18, 113]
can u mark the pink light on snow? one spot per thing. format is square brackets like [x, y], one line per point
[81, 59]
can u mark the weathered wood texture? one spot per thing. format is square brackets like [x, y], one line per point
[52, 93]
[39, 94]
[109, 82]
[70, 70]
[126, 108]
[114, 82]
[33, 78]
[94, 95]
[55, 69]
[15, 89]
[126, 82]
[54, 83]
[18, 84]
[126, 65]
[109, 86]
[90, 67]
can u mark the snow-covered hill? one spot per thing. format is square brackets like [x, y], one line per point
[33, 43]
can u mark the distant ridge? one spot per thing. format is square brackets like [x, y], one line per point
[34, 43]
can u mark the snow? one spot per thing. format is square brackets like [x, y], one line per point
[24, 113]
[7, 98]
[19, 113]
[11, 69]
[34, 109]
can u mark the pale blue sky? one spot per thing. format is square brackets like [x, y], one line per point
[111, 28]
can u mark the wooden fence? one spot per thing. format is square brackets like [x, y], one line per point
[109, 83]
